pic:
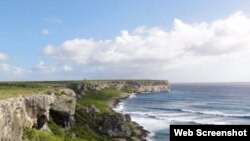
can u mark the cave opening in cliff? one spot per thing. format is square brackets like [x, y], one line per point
[41, 120]
[60, 118]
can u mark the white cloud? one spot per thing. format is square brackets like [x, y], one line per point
[43, 68]
[45, 32]
[67, 68]
[13, 70]
[3, 57]
[156, 53]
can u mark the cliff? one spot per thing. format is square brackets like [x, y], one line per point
[130, 86]
[31, 111]
[72, 110]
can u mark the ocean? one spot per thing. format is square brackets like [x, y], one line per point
[211, 103]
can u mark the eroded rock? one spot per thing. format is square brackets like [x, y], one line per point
[63, 108]
[23, 112]
[115, 126]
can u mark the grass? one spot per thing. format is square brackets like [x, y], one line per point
[57, 134]
[37, 135]
[86, 127]
[55, 129]
[13, 89]
[133, 133]
[58, 94]
[99, 98]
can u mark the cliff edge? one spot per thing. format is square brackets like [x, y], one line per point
[33, 111]
[72, 111]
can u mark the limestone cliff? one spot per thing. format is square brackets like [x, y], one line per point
[63, 109]
[22, 112]
[135, 86]
[32, 112]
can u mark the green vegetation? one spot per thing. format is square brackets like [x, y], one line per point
[37, 135]
[57, 134]
[99, 98]
[57, 93]
[55, 129]
[132, 130]
[11, 89]
[86, 126]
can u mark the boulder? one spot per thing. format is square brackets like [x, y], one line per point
[63, 109]
[93, 109]
[23, 112]
[127, 118]
[115, 126]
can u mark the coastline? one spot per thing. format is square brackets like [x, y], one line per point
[90, 106]
[141, 133]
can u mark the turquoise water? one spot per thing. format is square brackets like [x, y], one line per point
[189, 104]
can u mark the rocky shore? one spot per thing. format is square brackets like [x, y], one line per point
[76, 111]
[141, 133]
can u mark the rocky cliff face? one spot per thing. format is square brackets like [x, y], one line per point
[32, 111]
[137, 86]
[63, 109]
[23, 112]
[116, 125]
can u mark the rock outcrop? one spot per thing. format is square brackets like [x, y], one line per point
[115, 126]
[33, 111]
[63, 109]
[23, 112]
[135, 86]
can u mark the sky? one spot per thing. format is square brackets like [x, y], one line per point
[175, 40]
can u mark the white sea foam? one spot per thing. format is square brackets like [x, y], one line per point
[191, 108]
[133, 95]
[119, 107]
[218, 113]
[149, 137]
[186, 117]
[154, 121]
[151, 124]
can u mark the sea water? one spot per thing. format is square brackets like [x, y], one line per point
[213, 103]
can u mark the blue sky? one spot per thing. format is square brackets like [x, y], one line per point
[27, 28]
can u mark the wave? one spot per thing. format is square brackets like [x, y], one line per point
[155, 123]
[133, 95]
[167, 109]
[213, 113]
[119, 107]
[219, 113]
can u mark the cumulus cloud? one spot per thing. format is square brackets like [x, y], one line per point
[155, 52]
[43, 68]
[13, 70]
[3, 57]
[67, 68]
